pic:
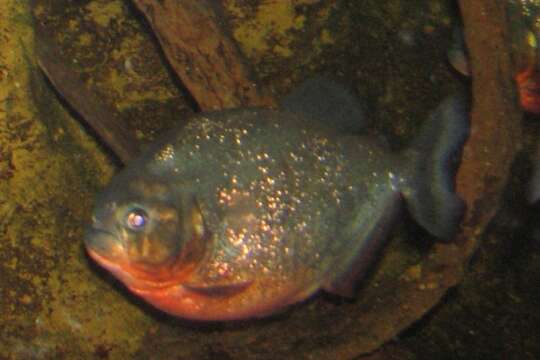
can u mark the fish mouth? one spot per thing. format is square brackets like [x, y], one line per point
[126, 273]
[102, 242]
[109, 264]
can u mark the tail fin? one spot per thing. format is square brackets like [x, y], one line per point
[429, 192]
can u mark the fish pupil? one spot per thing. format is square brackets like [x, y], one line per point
[137, 219]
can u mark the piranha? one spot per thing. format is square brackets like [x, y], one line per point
[243, 212]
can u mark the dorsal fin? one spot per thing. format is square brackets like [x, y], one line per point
[326, 101]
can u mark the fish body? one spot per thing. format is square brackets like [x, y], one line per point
[243, 212]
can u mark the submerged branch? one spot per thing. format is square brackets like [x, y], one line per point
[201, 53]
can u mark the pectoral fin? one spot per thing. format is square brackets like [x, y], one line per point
[219, 290]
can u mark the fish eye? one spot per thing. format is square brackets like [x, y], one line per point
[136, 219]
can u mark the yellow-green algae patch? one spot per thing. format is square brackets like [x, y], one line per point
[103, 12]
[268, 27]
[125, 77]
[52, 304]
[120, 63]
[283, 39]
[91, 316]
[126, 81]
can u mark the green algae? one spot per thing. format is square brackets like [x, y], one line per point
[274, 19]
[275, 34]
[51, 304]
[103, 12]
[121, 62]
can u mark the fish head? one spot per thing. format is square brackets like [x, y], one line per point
[146, 234]
[150, 233]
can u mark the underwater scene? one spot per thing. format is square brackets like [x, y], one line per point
[254, 179]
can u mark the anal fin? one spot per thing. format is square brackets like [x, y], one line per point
[368, 235]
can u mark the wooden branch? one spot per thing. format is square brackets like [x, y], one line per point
[96, 113]
[496, 116]
[206, 60]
